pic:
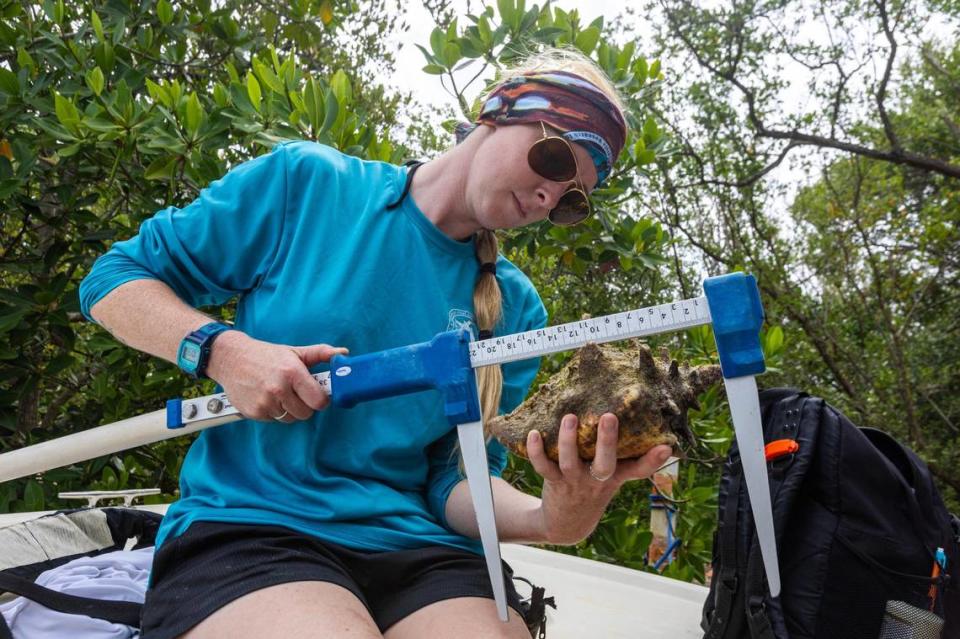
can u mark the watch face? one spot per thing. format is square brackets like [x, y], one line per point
[190, 354]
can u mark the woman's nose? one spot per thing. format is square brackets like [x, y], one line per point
[549, 193]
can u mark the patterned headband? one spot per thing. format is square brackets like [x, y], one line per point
[569, 103]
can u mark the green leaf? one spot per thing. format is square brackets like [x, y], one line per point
[332, 111]
[232, 72]
[253, 91]
[529, 19]
[165, 12]
[105, 55]
[159, 93]
[451, 54]
[654, 70]
[194, 114]
[646, 156]
[220, 95]
[483, 27]
[506, 10]
[267, 76]
[160, 169]
[33, 495]
[587, 40]
[548, 35]
[340, 84]
[774, 340]
[701, 494]
[9, 83]
[94, 80]
[24, 59]
[437, 40]
[59, 363]
[313, 102]
[640, 68]
[10, 320]
[97, 25]
[66, 111]
[650, 128]
[651, 260]
[434, 69]
[426, 54]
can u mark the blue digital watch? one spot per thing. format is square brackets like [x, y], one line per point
[194, 351]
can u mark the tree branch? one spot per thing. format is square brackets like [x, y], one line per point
[882, 91]
[896, 156]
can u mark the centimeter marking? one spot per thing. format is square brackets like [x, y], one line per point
[663, 318]
[651, 320]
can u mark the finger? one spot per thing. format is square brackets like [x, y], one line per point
[570, 463]
[605, 461]
[317, 353]
[645, 466]
[309, 391]
[295, 407]
[280, 414]
[547, 468]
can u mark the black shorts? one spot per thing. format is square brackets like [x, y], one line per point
[212, 564]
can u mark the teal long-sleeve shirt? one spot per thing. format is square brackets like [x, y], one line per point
[303, 238]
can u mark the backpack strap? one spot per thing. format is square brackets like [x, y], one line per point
[121, 612]
[534, 610]
[715, 622]
[755, 596]
[5, 632]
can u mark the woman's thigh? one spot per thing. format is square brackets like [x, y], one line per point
[295, 610]
[459, 618]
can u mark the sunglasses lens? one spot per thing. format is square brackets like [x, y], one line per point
[553, 159]
[572, 208]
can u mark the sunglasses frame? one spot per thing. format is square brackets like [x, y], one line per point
[578, 186]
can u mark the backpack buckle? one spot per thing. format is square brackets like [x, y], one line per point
[780, 448]
[730, 583]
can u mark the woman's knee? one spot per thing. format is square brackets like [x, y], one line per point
[457, 618]
[300, 609]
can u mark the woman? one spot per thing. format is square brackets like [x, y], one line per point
[358, 523]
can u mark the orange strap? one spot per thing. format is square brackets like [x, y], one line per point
[779, 448]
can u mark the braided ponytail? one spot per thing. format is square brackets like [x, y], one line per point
[487, 308]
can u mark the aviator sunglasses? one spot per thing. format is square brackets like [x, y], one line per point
[552, 157]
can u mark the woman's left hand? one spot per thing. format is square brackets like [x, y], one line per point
[573, 501]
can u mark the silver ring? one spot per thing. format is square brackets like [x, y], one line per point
[280, 417]
[600, 479]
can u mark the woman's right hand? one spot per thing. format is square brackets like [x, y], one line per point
[267, 381]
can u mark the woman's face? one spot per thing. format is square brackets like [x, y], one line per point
[502, 190]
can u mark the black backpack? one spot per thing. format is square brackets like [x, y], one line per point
[858, 521]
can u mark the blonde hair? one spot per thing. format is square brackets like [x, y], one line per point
[487, 300]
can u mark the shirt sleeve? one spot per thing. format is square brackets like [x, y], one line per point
[444, 458]
[220, 245]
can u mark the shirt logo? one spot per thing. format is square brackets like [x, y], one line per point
[458, 318]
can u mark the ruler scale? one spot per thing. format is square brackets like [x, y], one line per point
[447, 363]
[651, 320]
